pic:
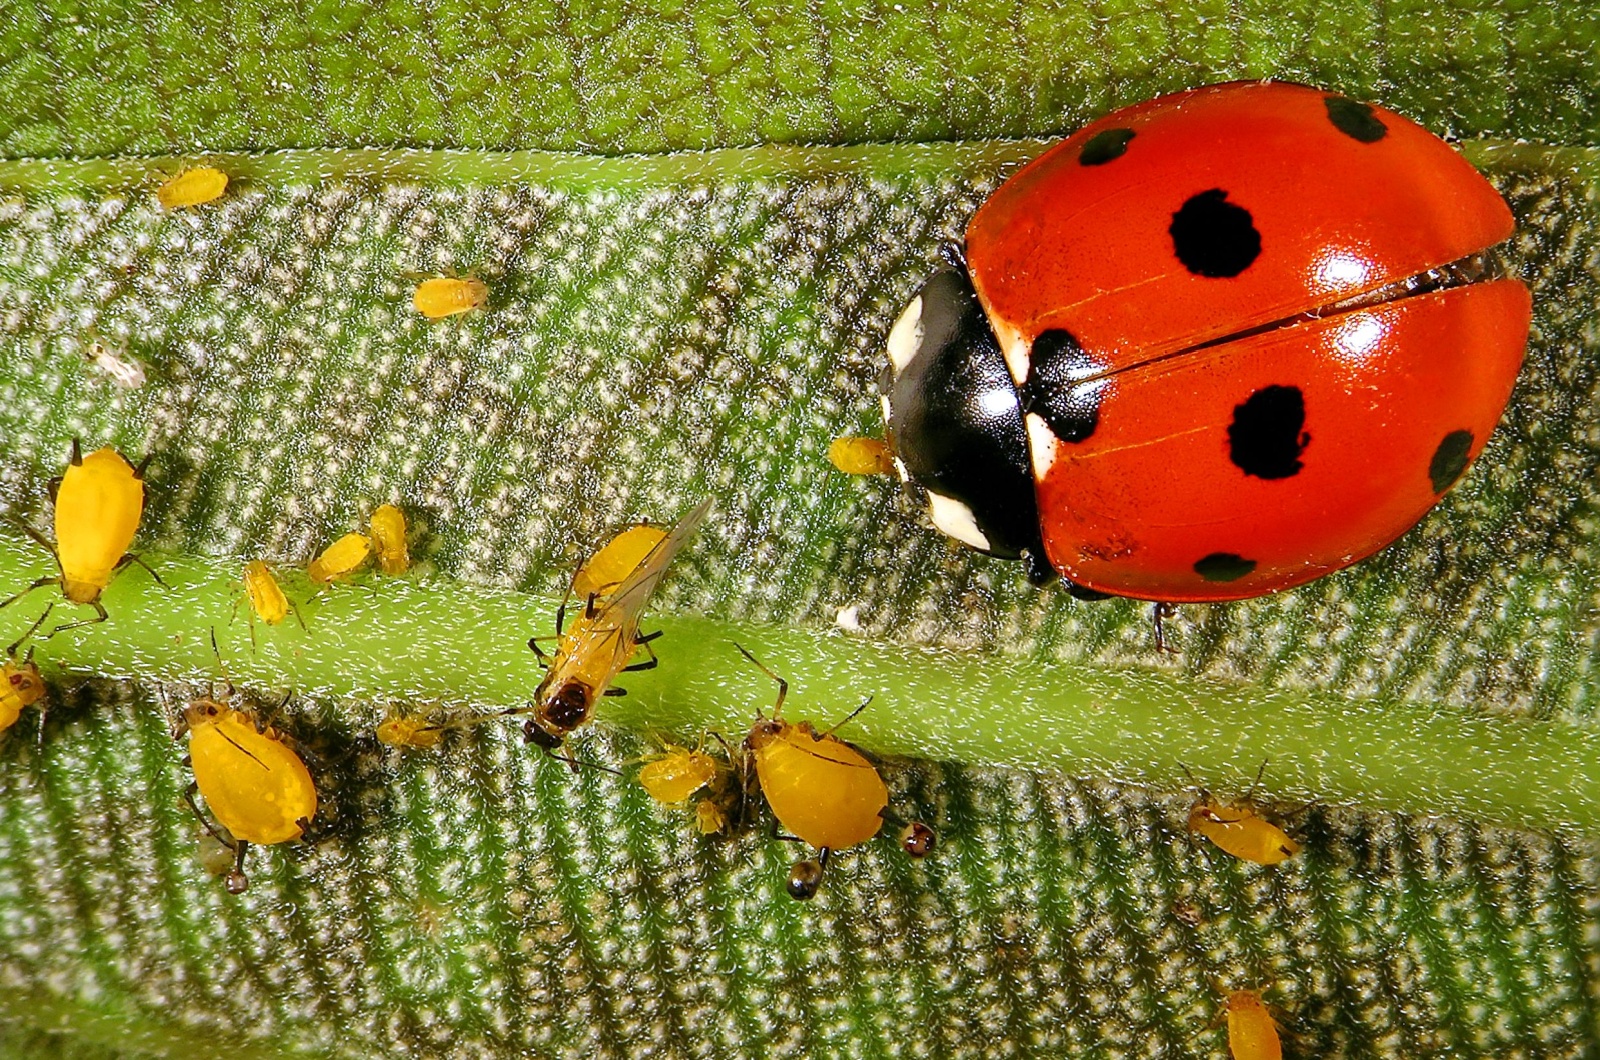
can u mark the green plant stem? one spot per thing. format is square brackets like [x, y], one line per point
[420, 639]
[575, 171]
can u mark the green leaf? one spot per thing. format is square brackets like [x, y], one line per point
[689, 324]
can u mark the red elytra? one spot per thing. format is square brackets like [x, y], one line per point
[1250, 336]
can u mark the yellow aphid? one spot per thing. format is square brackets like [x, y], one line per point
[1237, 829]
[192, 187]
[600, 642]
[267, 601]
[861, 456]
[341, 560]
[822, 790]
[709, 818]
[621, 556]
[1252, 1033]
[21, 686]
[677, 773]
[255, 785]
[99, 502]
[445, 296]
[388, 526]
[410, 730]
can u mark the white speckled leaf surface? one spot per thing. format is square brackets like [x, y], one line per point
[692, 323]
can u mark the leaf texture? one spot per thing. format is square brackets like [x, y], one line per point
[702, 323]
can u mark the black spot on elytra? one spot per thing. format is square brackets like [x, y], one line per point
[1063, 386]
[1355, 120]
[1449, 460]
[1265, 439]
[1214, 237]
[1223, 567]
[1103, 146]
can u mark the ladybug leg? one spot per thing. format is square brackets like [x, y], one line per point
[955, 255]
[1158, 616]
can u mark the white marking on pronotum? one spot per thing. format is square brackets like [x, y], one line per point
[1019, 359]
[1042, 443]
[905, 338]
[956, 519]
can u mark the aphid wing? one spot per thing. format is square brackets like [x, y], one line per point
[637, 588]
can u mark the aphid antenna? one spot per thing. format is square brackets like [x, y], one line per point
[846, 720]
[783, 686]
[1249, 795]
[1193, 782]
[227, 681]
[573, 762]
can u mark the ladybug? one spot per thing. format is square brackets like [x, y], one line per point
[1211, 346]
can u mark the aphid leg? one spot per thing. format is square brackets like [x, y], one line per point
[615, 691]
[131, 558]
[31, 630]
[39, 584]
[1158, 616]
[783, 686]
[1257, 782]
[589, 610]
[100, 616]
[205, 822]
[646, 638]
[650, 663]
[842, 722]
[533, 646]
[43, 541]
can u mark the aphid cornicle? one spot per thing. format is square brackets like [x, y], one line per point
[99, 501]
[192, 187]
[825, 792]
[601, 641]
[254, 784]
[341, 560]
[388, 526]
[1252, 1032]
[1237, 829]
[444, 296]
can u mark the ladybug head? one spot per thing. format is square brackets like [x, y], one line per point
[955, 421]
